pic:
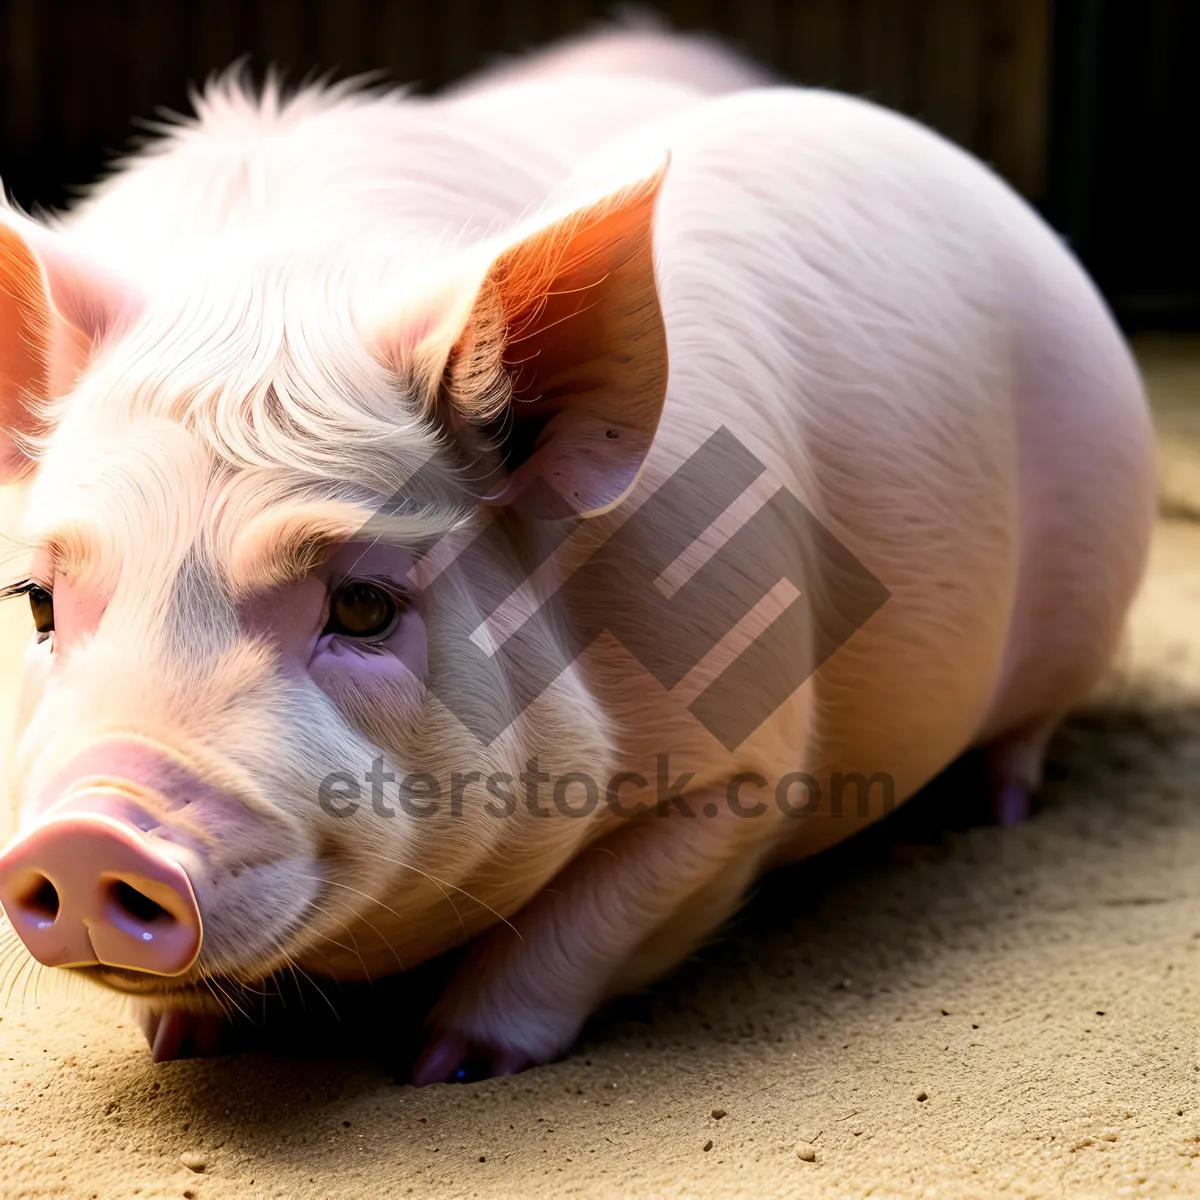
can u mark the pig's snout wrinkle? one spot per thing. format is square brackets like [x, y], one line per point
[87, 889]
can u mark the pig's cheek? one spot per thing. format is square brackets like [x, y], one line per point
[370, 680]
[35, 674]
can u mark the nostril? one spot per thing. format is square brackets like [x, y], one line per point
[85, 888]
[41, 901]
[137, 904]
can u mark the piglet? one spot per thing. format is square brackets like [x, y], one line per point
[441, 540]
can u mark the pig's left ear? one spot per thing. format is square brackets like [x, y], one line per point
[558, 360]
[53, 308]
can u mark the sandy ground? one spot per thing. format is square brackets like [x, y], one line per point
[935, 1010]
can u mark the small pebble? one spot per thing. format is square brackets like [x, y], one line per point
[708, 1145]
[717, 1113]
[806, 1154]
[194, 1162]
[922, 1096]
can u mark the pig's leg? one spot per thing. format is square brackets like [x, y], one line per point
[177, 1034]
[1015, 769]
[620, 915]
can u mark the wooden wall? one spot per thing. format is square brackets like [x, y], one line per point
[74, 72]
[1121, 162]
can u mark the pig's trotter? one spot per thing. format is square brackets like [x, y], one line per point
[1011, 804]
[451, 1058]
[175, 1034]
[1015, 768]
[619, 916]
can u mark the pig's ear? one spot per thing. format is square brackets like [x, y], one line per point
[53, 309]
[559, 359]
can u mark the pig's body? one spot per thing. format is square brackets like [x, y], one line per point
[891, 334]
[938, 381]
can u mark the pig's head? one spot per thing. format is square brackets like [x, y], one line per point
[233, 487]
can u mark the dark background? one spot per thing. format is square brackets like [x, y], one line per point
[1089, 107]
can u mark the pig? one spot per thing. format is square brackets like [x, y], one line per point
[523, 556]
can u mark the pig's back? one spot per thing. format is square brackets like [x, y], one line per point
[907, 348]
[629, 52]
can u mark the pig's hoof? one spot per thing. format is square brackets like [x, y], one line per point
[452, 1058]
[1015, 767]
[176, 1034]
[1011, 804]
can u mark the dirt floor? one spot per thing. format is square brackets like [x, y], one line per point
[936, 1010]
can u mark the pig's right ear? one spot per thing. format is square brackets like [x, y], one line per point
[53, 309]
[550, 359]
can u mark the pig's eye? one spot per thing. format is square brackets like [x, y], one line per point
[41, 604]
[361, 609]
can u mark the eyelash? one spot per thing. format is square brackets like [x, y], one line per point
[399, 594]
[23, 588]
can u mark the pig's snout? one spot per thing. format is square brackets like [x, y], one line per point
[87, 888]
[86, 884]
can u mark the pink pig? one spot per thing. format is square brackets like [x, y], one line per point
[449, 527]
